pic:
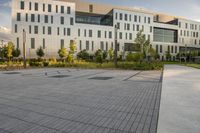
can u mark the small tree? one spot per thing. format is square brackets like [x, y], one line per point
[16, 53]
[72, 48]
[9, 50]
[99, 56]
[40, 52]
[168, 55]
[84, 55]
[111, 53]
[62, 53]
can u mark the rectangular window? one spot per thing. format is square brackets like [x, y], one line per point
[156, 48]
[102, 45]
[43, 7]
[149, 20]
[62, 9]
[138, 27]
[32, 17]
[151, 29]
[105, 34]
[26, 17]
[46, 18]
[120, 35]
[61, 20]
[139, 19]
[87, 45]
[18, 17]
[79, 32]
[80, 45]
[17, 42]
[49, 30]
[71, 21]
[29, 29]
[43, 43]
[49, 8]
[120, 16]
[15, 28]
[161, 49]
[91, 8]
[68, 10]
[106, 46]
[36, 6]
[85, 34]
[58, 31]
[36, 29]
[99, 34]
[129, 17]
[175, 49]
[135, 18]
[43, 30]
[125, 17]
[92, 45]
[68, 31]
[145, 19]
[116, 16]
[133, 27]
[172, 49]
[32, 43]
[130, 36]
[128, 26]
[62, 43]
[90, 33]
[30, 6]
[51, 19]
[56, 8]
[22, 5]
[38, 18]
[110, 34]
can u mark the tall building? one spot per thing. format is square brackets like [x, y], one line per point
[52, 24]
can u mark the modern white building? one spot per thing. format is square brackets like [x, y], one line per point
[52, 24]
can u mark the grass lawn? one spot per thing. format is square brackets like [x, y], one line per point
[193, 65]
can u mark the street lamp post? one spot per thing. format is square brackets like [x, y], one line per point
[185, 53]
[24, 47]
[116, 45]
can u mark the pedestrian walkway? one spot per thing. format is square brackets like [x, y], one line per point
[180, 100]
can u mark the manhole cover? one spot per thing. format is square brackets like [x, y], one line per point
[101, 78]
[10, 73]
[60, 76]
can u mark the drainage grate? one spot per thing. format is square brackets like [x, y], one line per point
[11, 73]
[60, 76]
[101, 78]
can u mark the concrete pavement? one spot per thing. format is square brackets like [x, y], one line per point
[180, 100]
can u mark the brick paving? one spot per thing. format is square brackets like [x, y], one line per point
[79, 101]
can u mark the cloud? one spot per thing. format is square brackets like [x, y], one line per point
[6, 4]
[5, 34]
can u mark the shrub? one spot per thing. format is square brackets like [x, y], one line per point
[40, 52]
[45, 64]
[84, 55]
[36, 64]
[99, 56]
[136, 57]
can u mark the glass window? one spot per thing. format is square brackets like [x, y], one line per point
[68, 31]
[68, 10]
[30, 6]
[32, 43]
[71, 21]
[99, 34]
[62, 43]
[49, 7]
[36, 6]
[149, 20]
[29, 29]
[92, 45]
[45, 18]
[18, 16]
[36, 29]
[17, 42]
[135, 18]
[120, 35]
[110, 34]
[43, 29]
[102, 45]
[80, 45]
[56, 8]
[43, 43]
[61, 20]
[79, 32]
[58, 31]
[26, 17]
[90, 33]
[120, 16]
[49, 30]
[106, 46]
[62, 9]
[43, 7]
[91, 8]
[38, 18]
[22, 5]
[15, 28]
[161, 49]
[32, 17]
[51, 19]
[87, 45]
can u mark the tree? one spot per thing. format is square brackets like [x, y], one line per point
[153, 54]
[84, 55]
[9, 50]
[99, 56]
[72, 48]
[168, 55]
[40, 52]
[16, 52]
[105, 54]
[3, 52]
[62, 53]
[141, 44]
[110, 53]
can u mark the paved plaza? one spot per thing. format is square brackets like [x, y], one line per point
[79, 101]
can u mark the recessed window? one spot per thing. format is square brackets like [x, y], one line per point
[30, 6]
[46, 19]
[91, 8]
[18, 16]
[51, 19]
[36, 6]
[87, 45]
[49, 8]
[43, 43]
[49, 30]
[68, 31]
[58, 31]
[62, 9]
[36, 29]
[32, 43]
[61, 20]
[56, 8]
[22, 5]
[62, 43]
[15, 28]
[38, 18]
[26, 17]
[90, 33]
[29, 29]
[17, 42]
[99, 34]
[71, 21]
[43, 7]
[43, 30]
[32, 17]
[68, 10]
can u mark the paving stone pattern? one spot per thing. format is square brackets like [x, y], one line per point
[31, 101]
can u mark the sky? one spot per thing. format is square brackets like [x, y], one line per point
[185, 8]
